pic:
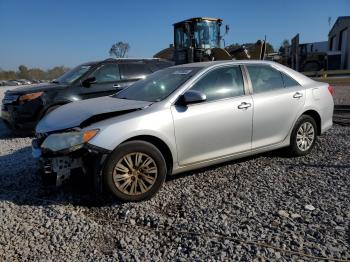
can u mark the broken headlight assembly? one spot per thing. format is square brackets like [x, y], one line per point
[69, 141]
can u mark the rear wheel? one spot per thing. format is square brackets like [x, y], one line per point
[303, 136]
[135, 171]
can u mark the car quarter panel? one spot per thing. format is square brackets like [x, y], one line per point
[320, 100]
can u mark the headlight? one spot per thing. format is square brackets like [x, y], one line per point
[28, 97]
[69, 140]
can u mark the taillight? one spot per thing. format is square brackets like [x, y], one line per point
[331, 89]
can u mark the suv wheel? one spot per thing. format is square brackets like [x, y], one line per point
[135, 171]
[303, 136]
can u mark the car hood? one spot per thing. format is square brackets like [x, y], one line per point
[36, 88]
[82, 113]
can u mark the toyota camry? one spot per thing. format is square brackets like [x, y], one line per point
[183, 118]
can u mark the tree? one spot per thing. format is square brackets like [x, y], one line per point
[8, 75]
[56, 72]
[33, 73]
[269, 48]
[36, 73]
[119, 49]
[23, 72]
[284, 47]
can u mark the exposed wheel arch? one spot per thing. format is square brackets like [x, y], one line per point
[161, 145]
[303, 136]
[316, 116]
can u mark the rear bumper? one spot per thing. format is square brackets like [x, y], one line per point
[326, 126]
[327, 117]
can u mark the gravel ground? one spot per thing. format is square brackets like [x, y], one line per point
[258, 208]
[342, 95]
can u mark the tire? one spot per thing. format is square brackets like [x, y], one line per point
[300, 144]
[120, 182]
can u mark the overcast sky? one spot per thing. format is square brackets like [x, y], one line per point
[46, 33]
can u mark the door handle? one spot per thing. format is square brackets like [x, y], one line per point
[116, 85]
[297, 95]
[244, 105]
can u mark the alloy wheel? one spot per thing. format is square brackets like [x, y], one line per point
[135, 173]
[305, 136]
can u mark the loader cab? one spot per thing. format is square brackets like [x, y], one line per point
[195, 38]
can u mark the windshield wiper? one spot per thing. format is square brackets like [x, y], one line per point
[55, 82]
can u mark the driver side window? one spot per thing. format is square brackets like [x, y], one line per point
[108, 73]
[221, 83]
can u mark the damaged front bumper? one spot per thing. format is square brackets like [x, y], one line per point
[56, 168]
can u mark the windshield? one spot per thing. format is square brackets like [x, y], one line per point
[206, 34]
[72, 75]
[181, 38]
[158, 85]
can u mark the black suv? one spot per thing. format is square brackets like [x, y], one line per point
[23, 107]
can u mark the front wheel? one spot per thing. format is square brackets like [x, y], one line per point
[135, 171]
[303, 136]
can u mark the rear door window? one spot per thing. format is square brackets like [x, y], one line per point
[288, 81]
[134, 70]
[264, 78]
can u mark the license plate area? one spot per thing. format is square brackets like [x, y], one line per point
[62, 167]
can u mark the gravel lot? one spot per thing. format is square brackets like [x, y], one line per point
[342, 95]
[262, 207]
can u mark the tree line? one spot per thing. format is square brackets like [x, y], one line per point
[24, 72]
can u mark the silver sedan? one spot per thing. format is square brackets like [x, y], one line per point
[182, 118]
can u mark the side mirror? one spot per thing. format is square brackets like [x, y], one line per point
[89, 81]
[192, 97]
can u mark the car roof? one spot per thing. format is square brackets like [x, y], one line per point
[125, 60]
[302, 79]
[230, 62]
